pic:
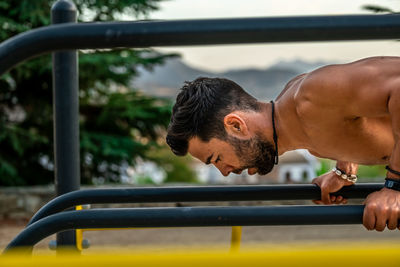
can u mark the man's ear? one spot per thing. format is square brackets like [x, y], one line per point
[235, 125]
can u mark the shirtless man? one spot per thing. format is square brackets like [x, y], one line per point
[348, 112]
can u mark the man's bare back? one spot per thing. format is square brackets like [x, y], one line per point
[343, 109]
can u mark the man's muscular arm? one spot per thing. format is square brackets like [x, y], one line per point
[330, 182]
[383, 207]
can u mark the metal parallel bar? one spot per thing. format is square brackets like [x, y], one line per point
[66, 115]
[315, 254]
[196, 32]
[186, 217]
[196, 194]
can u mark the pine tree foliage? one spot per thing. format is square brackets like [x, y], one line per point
[117, 123]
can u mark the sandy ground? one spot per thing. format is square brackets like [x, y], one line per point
[216, 236]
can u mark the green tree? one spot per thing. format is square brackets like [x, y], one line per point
[177, 169]
[117, 125]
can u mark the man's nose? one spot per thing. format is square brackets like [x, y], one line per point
[225, 170]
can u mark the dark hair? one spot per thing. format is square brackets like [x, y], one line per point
[200, 109]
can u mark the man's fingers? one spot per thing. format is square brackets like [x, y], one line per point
[380, 224]
[339, 200]
[325, 197]
[335, 200]
[369, 218]
[393, 221]
[315, 181]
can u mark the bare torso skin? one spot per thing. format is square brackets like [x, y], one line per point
[342, 110]
[349, 113]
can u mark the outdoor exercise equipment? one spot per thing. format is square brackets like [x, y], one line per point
[66, 36]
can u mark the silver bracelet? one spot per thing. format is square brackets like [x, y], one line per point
[349, 177]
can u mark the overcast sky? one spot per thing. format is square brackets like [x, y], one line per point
[222, 57]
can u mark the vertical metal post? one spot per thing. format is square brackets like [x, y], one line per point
[236, 237]
[66, 115]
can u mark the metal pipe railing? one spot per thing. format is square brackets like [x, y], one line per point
[71, 36]
[186, 217]
[66, 114]
[195, 32]
[196, 194]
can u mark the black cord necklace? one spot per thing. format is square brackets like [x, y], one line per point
[275, 136]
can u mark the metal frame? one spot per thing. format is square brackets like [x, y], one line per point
[186, 217]
[195, 32]
[351, 253]
[195, 194]
[66, 115]
[71, 36]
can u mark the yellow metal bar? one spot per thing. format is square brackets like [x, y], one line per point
[236, 237]
[327, 256]
[79, 234]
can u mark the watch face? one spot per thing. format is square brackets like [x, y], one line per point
[390, 183]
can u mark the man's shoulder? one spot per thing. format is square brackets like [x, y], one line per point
[322, 89]
[348, 76]
[346, 88]
[326, 83]
[291, 87]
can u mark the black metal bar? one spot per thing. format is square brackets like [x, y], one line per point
[186, 217]
[196, 32]
[66, 115]
[196, 194]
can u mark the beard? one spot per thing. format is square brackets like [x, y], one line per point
[254, 153]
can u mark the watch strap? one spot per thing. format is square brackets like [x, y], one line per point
[392, 184]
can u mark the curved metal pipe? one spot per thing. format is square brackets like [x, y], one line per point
[196, 194]
[195, 32]
[186, 217]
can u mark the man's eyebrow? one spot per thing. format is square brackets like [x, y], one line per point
[208, 161]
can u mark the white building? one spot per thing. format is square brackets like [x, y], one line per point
[297, 166]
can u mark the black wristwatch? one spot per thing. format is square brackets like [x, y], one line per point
[392, 184]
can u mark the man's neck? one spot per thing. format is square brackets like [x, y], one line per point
[288, 126]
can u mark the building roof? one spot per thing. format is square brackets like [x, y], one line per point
[297, 156]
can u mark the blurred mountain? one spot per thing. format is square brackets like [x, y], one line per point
[299, 65]
[263, 84]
